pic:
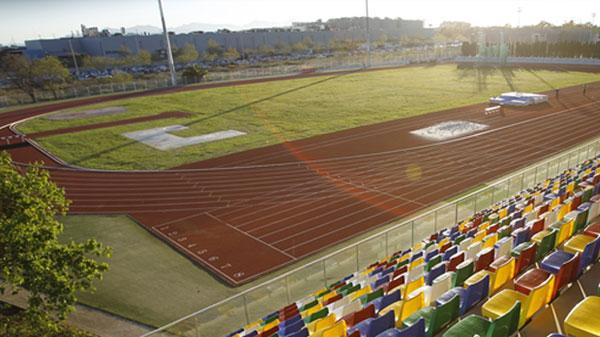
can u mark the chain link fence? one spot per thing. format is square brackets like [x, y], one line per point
[234, 312]
[323, 65]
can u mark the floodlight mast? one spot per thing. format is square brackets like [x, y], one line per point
[168, 43]
[368, 36]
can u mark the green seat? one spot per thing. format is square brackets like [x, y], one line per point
[402, 263]
[504, 232]
[462, 273]
[317, 315]
[546, 245]
[436, 318]
[516, 252]
[473, 325]
[309, 305]
[371, 296]
[341, 290]
[433, 262]
[459, 239]
[350, 290]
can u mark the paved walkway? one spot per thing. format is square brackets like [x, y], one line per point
[92, 320]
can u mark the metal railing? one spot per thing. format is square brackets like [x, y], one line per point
[236, 311]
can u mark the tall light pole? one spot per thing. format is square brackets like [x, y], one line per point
[368, 36]
[168, 43]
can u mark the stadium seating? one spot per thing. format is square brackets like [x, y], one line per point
[421, 290]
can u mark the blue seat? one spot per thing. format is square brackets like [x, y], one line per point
[295, 326]
[416, 256]
[553, 262]
[415, 330]
[301, 333]
[434, 273]
[520, 235]
[386, 300]
[431, 254]
[235, 332]
[469, 296]
[380, 282]
[388, 271]
[449, 253]
[371, 327]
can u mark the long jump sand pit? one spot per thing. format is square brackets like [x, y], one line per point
[449, 130]
[248, 213]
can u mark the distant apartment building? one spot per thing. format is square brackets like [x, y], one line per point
[96, 43]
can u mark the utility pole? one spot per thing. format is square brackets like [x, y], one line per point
[168, 43]
[368, 37]
[74, 58]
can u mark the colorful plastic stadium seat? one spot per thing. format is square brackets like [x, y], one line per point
[435, 273]
[501, 270]
[336, 330]
[361, 292]
[412, 286]
[291, 327]
[463, 272]
[301, 333]
[545, 242]
[484, 259]
[475, 325]
[395, 284]
[503, 247]
[490, 240]
[593, 229]
[359, 316]
[415, 330]
[586, 246]
[322, 323]
[455, 260]
[371, 327]
[347, 309]
[469, 296]
[440, 285]
[563, 265]
[316, 315]
[436, 318]
[525, 254]
[405, 308]
[582, 321]
[503, 301]
[386, 300]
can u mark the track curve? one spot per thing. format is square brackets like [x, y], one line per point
[245, 214]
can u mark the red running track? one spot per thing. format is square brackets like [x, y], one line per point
[246, 214]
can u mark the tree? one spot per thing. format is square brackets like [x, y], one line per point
[213, 49]
[144, 57]
[186, 54]
[32, 259]
[50, 74]
[231, 55]
[18, 71]
[194, 73]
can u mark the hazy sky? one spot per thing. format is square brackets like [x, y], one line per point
[29, 19]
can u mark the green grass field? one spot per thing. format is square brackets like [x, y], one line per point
[274, 112]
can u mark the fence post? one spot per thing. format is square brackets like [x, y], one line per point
[246, 309]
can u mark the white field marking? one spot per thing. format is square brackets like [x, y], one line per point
[556, 321]
[581, 288]
[161, 139]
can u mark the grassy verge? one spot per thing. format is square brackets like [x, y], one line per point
[274, 112]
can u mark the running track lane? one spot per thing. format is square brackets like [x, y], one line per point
[246, 214]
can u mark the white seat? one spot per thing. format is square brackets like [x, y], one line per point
[473, 250]
[464, 245]
[339, 303]
[503, 246]
[415, 273]
[348, 308]
[440, 285]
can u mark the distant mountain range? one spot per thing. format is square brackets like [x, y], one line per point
[197, 26]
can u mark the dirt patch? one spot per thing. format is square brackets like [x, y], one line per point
[65, 116]
[163, 115]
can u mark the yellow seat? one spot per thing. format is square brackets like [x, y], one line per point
[564, 209]
[503, 301]
[484, 226]
[321, 324]
[443, 242]
[403, 309]
[328, 296]
[416, 263]
[503, 213]
[336, 330]
[479, 236]
[310, 311]
[502, 275]
[582, 321]
[359, 293]
[490, 240]
[577, 243]
[539, 236]
[475, 278]
[253, 325]
[271, 325]
[563, 232]
[410, 287]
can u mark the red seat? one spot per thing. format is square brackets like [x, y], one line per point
[333, 299]
[593, 229]
[270, 332]
[492, 229]
[445, 247]
[394, 283]
[400, 271]
[531, 280]
[525, 259]
[484, 259]
[455, 260]
[536, 226]
[359, 316]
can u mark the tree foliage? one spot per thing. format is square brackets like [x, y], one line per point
[32, 259]
[186, 54]
[194, 73]
[231, 55]
[50, 74]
